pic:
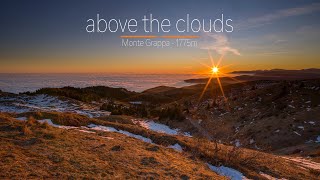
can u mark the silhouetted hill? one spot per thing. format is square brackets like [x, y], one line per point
[274, 74]
[88, 94]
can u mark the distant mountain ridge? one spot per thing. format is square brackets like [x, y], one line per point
[309, 70]
[273, 74]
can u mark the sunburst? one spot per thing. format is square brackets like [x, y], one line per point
[215, 69]
[215, 72]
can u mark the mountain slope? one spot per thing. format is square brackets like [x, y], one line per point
[31, 150]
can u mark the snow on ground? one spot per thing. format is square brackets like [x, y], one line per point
[136, 102]
[228, 172]
[25, 103]
[237, 143]
[176, 147]
[291, 106]
[304, 163]
[111, 129]
[187, 134]
[297, 133]
[160, 128]
[312, 122]
[87, 129]
[21, 118]
[222, 170]
[55, 125]
[318, 139]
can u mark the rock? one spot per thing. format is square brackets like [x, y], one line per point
[117, 148]
[149, 161]
[153, 148]
[184, 177]
[28, 142]
[55, 158]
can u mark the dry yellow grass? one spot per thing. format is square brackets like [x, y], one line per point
[67, 119]
[53, 153]
[249, 162]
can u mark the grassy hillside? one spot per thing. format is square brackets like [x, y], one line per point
[31, 150]
[78, 154]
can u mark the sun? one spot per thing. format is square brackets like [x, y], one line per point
[215, 69]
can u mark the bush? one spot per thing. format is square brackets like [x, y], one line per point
[88, 94]
[131, 110]
[31, 121]
[173, 113]
[26, 130]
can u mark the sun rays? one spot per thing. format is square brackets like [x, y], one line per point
[216, 71]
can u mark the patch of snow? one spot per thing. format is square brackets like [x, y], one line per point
[237, 143]
[26, 103]
[111, 129]
[251, 141]
[176, 147]
[301, 127]
[291, 106]
[318, 139]
[297, 133]
[255, 146]
[136, 102]
[278, 130]
[49, 122]
[228, 172]
[222, 114]
[21, 118]
[312, 122]
[309, 141]
[56, 125]
[187, 134]
[160, 128]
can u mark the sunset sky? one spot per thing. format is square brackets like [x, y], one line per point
[45, 37]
